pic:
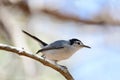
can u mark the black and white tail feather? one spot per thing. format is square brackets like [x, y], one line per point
[34, 37]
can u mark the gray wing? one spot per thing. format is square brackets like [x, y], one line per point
[56, 45]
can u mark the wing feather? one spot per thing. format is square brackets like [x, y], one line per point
[45, 49]
[56, 45]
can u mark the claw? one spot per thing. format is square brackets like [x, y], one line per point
[43, 56]
[64, 67]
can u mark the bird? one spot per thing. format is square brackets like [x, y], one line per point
[58, 50]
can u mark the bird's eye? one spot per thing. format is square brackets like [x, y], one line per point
[78, 43]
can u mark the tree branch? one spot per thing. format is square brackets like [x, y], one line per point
[66, 17]
[22, 52]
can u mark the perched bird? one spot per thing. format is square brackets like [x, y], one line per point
[60, 49]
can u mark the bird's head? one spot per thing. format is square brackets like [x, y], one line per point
[77, 43]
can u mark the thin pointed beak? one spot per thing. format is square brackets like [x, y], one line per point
[86, 46]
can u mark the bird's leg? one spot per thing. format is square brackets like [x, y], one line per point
[55, 62]
[64, 67]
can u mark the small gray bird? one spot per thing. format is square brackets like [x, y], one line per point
[60, 49]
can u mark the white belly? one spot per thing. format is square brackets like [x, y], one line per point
[59, 54]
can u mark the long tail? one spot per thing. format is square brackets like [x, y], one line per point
[37, 39]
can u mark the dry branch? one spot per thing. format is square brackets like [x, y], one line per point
[69, 17]
[22, 52]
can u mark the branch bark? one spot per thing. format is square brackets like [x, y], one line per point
[22, 52]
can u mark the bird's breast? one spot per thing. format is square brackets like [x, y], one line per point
[59, 54]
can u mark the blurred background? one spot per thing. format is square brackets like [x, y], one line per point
[95, 22]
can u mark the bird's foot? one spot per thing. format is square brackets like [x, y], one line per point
[61, 66]
[43, 56]
[64, 67]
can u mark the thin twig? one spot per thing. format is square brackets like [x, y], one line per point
[22, 52]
